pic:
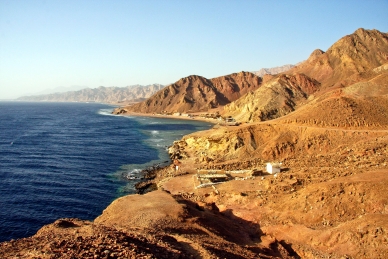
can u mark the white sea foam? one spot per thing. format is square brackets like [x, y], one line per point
[107, 112]
[133, 174]
[154, 132]
[156, 140]
[134, 171]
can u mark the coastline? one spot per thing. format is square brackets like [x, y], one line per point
[249, 214]
[195, 117]
[155, 173]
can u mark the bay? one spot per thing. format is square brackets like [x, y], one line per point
[71, 160]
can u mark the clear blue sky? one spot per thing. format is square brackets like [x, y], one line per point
[53, 43]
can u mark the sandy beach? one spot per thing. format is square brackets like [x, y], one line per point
[194, 116]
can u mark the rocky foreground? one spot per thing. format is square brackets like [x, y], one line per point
[329, 201]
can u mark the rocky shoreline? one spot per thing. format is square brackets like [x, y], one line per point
[322, 194]
[147, 183]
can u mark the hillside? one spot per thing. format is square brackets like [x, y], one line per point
[274, 99]
[196, 93]
[100, 94]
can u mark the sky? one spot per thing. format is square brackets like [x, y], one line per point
[91, 43]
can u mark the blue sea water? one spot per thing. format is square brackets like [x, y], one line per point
[73, 159]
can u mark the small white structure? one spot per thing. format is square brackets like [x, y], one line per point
[273, 168]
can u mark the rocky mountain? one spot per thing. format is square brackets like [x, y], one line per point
[196, 93]
[355, 53]
[273, 70]
[100, 94]
[272, 96]
[348, 61]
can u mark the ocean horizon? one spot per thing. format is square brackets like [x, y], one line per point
[71, 160]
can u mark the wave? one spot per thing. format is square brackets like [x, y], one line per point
[156, 140]
[133, 174]
[154, 132]
[106, 112]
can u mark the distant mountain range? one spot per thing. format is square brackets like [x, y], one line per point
[273, 71]
[59, 89]
[230, 90]
[103, 94]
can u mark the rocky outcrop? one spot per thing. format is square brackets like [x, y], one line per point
[101, 94]
[154, 225]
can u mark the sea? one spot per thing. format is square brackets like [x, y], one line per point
[71, 160]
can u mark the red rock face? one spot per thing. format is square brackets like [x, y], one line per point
[304, 83]
[195, 93]
[236, 85]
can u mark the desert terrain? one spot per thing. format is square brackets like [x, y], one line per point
[325, 121]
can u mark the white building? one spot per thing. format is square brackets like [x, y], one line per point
[273, 168]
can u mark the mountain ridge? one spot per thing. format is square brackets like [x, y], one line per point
[354, 53]
[337, 67]
[349, 60]
[196, 93]
[100, 94]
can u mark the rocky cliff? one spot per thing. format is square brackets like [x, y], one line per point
[100, 94]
